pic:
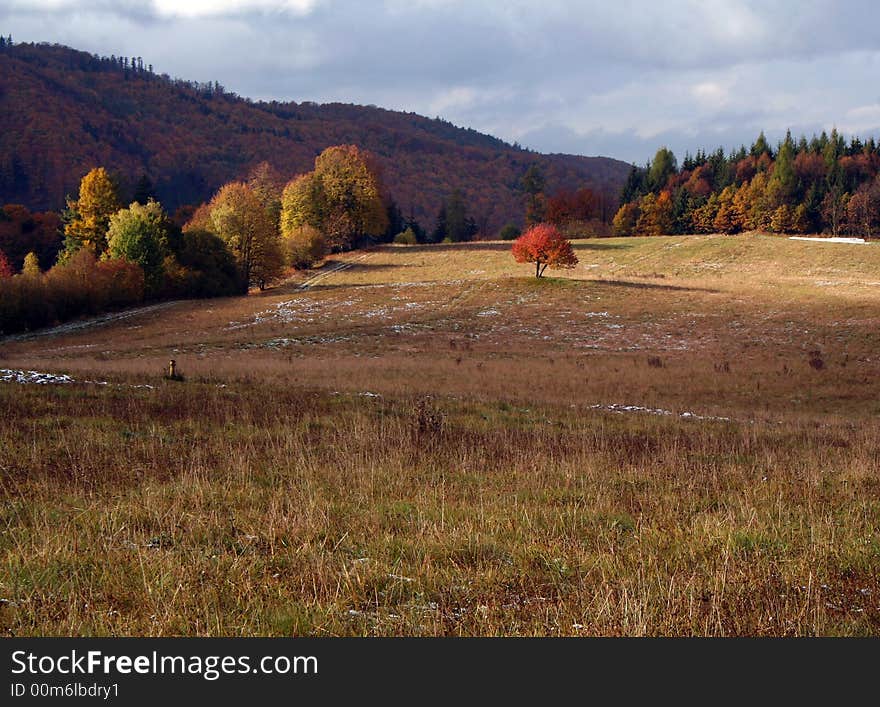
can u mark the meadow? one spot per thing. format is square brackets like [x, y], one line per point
[678, 437]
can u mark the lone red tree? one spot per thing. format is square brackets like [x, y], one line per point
[544, 246]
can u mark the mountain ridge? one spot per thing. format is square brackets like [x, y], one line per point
[67, 111]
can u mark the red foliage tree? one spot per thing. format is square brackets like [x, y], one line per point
[5, 267]
[544, 246]
[567, 206]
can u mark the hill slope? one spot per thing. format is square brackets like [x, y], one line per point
[66, 111]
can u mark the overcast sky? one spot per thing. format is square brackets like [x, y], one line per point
[616, 78]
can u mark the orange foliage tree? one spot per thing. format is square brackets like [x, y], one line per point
[544, 246]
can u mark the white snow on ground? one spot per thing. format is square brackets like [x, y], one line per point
[614, 407]
[304, 310]
[835, 239]
[33, 377]
[8, 375]
[489, 313]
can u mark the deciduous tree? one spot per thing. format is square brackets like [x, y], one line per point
[5, 266]
[31, 267]
[89, 215]
[544, 246]
[139, 234]
[343, 198]
[239, 219]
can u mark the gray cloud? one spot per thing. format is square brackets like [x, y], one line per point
[585, 77]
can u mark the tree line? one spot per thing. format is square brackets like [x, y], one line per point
[100, 254]
[822, 185]
[247, 235]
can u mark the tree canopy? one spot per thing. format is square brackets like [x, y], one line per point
[544, 246]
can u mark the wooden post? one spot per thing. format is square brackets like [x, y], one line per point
[172, 368]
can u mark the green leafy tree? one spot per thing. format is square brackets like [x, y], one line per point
[510, 232]
[458, 227]
[662, 167]
[407, 237]
[761, 147]
[139, 234]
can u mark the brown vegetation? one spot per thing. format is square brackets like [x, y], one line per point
[421, 442]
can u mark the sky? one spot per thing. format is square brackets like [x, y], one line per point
[618, 79]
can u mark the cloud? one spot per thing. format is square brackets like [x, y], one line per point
[213, 8]
[590, 76]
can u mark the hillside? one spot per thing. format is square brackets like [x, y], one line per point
[678, 437]
[65, 111]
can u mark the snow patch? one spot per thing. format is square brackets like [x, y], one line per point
[834, 239]
[33, 377]
[620, 409]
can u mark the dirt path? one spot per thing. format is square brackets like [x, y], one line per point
[79, 325]
[338, 267]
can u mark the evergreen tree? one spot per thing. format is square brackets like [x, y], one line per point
[533, 184]
[144, 190]
[635, 185]
[761, 146]
[662, 167]
[458, 227]
[439, 232]
[784, 181]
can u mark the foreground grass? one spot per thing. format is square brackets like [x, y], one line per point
[202, 510]
[301, 482]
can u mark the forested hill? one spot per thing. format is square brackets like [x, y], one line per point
[66, 111]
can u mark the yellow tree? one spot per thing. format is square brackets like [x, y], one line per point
[302, 204]
[238, 217]
[266, 183]
[88, 217]
[342, 198]
[703, 217]
[31, 266]
[656, 216]
[625, 219]
[727, 219]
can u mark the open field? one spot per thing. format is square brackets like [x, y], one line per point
[678, 437]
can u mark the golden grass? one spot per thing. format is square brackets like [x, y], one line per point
[269, 494]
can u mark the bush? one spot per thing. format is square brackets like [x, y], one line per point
[510, 232]
[80, 286]
[204, 267]
[303, 246]
[407, 237]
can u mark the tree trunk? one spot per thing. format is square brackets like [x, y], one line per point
[537, 268]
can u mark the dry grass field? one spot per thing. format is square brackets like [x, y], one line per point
[678, 437]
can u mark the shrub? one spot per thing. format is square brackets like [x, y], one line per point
[407, 237]
[204, 267]
[510, 232]
[303, 246]
[79, 286]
